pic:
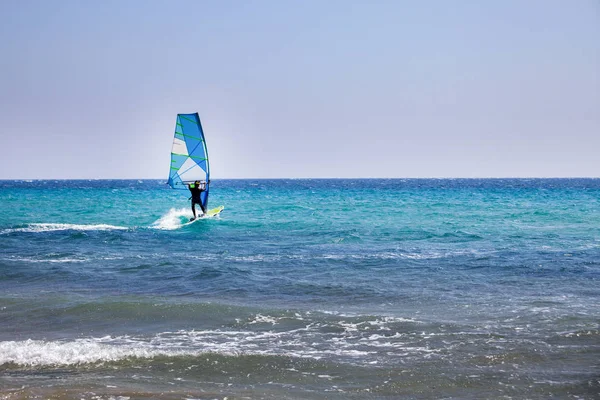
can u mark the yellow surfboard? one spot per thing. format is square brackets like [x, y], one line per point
[214, 211]
[209, 214]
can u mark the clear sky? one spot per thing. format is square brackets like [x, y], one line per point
[301, 88]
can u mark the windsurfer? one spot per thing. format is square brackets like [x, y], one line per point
[196, 188]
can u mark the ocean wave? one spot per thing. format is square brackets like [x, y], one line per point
[582, 333]
[352, 342]
[82, 351]
[349, 339]
[348, 256]
[52, 227]
[53, 258]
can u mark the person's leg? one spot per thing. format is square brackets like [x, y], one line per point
[194, 208]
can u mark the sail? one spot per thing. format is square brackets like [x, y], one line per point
[189, 156]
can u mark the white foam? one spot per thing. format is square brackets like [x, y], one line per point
[354, 343]
[82, 351]
[172, 219]
[41, 260]
[46, 259]
[391, 255]
[50, 227]
[263, 319]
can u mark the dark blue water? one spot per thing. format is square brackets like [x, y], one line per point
[446, 288]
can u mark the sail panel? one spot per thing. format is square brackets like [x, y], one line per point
[179, 147]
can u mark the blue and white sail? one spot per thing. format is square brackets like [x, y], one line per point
[189, 155]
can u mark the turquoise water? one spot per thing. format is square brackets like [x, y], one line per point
[324, 289]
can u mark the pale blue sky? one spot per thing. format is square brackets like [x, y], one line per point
[91, 89]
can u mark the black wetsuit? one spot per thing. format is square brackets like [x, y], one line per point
[196, 190]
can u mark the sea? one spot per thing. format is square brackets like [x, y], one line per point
[301, 289]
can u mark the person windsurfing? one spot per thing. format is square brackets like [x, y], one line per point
[196, 188]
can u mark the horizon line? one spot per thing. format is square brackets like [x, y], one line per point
[304, 178]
